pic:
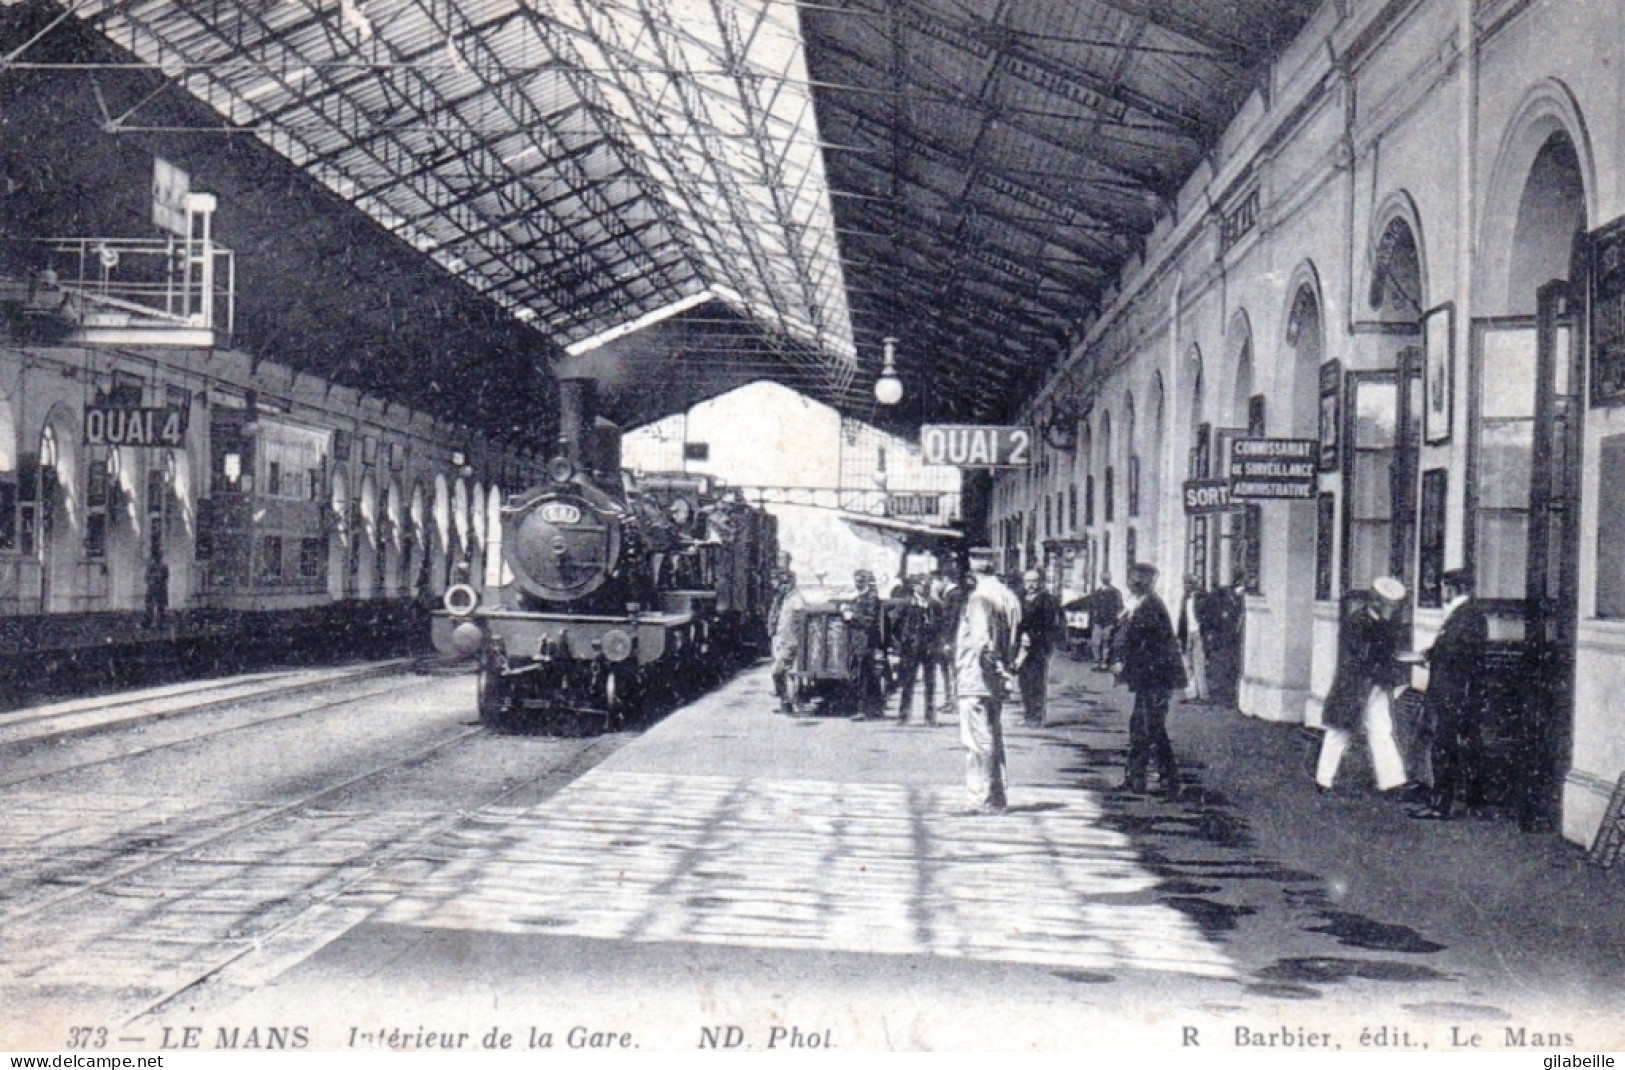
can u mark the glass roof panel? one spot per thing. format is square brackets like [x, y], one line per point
[652, 145]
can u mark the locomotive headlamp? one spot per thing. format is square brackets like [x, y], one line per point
[460, 600]
[616, 645]
[560, 470]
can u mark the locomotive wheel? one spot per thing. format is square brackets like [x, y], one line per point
[493, 697]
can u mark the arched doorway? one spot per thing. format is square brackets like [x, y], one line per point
[462, 531]
[477, 533]
[369, 548]
[1522, 497]
[1290, 531]
[1152, 475]
[1107, 485]
[440, 556]
[339, 535]
[394, 540]
[60, 520]
[1382, 456]
[1198, 466]
[493, 537]
[416, 542]
[1237, 554]
[1131, 485]
[1086, 463]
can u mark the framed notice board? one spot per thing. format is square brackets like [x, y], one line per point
[1608, 314]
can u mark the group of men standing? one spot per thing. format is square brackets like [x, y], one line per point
[985, 641]
[1371, 676]
[1003, 642]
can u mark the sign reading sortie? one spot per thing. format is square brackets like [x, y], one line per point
[1206, 496]
[1273, 469]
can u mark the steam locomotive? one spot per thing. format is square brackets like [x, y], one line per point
[617, 589]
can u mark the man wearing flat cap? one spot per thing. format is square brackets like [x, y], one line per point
[1451, 704]
[1149, 662]
[1363, 685]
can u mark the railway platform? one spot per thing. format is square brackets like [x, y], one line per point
[737, 878]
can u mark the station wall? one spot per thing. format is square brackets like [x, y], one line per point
[386, 502]
[1358, 264]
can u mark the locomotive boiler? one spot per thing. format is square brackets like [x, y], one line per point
[617, 589]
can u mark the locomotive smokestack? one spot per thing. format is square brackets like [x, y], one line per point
[578, 407]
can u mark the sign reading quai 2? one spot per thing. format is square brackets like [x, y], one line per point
[977, 446]
[106, 425]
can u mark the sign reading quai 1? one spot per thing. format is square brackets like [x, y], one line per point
[976, 446]
[106, 425]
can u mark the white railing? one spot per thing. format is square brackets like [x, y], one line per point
[129, 286]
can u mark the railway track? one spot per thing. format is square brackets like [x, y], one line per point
[291, 868]
[81, 717]
[189, 740]
[587, 754]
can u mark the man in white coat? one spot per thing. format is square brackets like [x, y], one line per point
[984, 653]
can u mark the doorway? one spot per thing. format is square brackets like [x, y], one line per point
[1522, 498]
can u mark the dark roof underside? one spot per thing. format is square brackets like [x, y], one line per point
[996, 162]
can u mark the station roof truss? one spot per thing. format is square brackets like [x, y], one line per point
[995, 163]
[585, 164]
[966, 175]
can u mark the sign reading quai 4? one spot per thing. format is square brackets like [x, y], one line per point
[107, 425]
[977, 446]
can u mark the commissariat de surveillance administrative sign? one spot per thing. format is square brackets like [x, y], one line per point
[1273, 469]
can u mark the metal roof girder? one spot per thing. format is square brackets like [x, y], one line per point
[921, 143]
[1034, 227]
[516, 102]
[1031, 65]
[728, 186]
[924, 293]
[679, 174]
[1001, 261]
[554, 37]
[697, 114]
[532, 116]
[734, 46]
[1165, 18]
[427, 191]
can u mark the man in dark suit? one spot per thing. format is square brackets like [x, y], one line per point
[1042, 627]
[916, 625]
[956, 586]
[1149, 662]
[864, 649]
[1451, 704]
[1105, 606]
